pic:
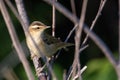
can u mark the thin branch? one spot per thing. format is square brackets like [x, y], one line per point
[77, 75]
[72, 2]
[81, 71]
[10, 5]
[70, 33]
[96, 18]
[13, 9]
[53, 19]
[17, 16]
[15, 40]
[78, 35]
[63, 10]
[71, 70]
[22, 12]
[83, 48]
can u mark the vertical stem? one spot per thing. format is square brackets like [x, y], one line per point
[15, 40]
[22, 12]
[102, 3]
[73, 7]
[38, 67]
[53, 19]
[78, 40]
[10, 5]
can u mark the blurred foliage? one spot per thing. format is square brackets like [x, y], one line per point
[99, 69]
[58, 71]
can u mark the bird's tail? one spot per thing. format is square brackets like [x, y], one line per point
[64, 45]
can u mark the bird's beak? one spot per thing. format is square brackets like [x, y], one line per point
[47, 27]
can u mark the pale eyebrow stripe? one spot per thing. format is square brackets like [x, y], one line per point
[37, 23]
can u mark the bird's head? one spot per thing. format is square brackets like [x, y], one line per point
[37, 28]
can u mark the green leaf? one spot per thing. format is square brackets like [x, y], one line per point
[99, 69]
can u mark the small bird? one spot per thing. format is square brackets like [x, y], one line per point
[46, 43]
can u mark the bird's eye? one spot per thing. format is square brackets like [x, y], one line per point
[38, 28]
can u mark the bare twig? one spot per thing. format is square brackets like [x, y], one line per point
[77, 75]
[73, 7]
[63, 10]
[83, 48]
[76, 63]
[95, 20]
[71, 70]
[17, 16]
[10, 5]
[15, 40]
[70, 33]
[53, 19]
[81, 71]
[22, 12]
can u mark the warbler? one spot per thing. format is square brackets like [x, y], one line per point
[46, 43]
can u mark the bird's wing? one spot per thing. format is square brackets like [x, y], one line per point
[54, 42]
[48, 39]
